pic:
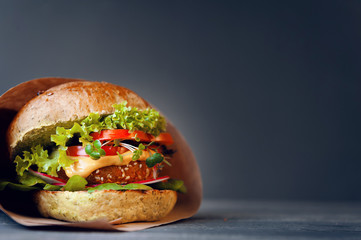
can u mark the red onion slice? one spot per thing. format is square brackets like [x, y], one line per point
[47, 178]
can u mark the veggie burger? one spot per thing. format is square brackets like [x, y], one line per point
[94, 150]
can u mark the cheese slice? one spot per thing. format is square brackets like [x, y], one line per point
[84, 166]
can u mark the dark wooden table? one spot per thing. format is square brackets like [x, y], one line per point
[227, 219]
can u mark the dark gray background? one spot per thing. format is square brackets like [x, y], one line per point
[267, 94]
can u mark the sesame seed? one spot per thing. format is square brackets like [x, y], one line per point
[97, 171]
[120, 168]
[140, 165]
[101, 179]
[123, 175]
[135, 163]
[147, 171]
[127, 178]
[126, 169]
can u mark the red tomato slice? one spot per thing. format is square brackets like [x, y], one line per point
[123, 134]
[109, 150]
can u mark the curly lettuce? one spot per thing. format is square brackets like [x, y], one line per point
[39, 157]
[130, 118]
[171, 184]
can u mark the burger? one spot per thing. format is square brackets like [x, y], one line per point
[94, 150]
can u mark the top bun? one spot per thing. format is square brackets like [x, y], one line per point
[63, 105]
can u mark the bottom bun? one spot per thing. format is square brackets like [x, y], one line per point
[122, 206]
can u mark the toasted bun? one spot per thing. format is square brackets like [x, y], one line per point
[61, 106]
[122, 206]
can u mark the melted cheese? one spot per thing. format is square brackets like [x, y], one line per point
[84, 166]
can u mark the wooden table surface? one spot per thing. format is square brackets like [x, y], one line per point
[227, 219]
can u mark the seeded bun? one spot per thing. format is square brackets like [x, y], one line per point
[128, 206]
[62, 105]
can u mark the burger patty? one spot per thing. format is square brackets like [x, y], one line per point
[135, 171]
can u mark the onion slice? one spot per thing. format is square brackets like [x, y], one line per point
[47, 178]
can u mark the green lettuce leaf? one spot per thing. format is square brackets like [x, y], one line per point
[171, 184]
[45, 163]
[23, 164]
[62, 136]
[36, 154]
[50, 187]
[63, 160]
[75, 183]
[136, 186]
[114, 186]
[30, 180]
[16, 186]
[148, 120]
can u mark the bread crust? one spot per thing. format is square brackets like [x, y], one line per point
[61, 106]
[123, 206]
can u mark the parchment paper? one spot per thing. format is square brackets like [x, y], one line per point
[19, 207]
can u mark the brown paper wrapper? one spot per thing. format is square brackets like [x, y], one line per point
[19, 206]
